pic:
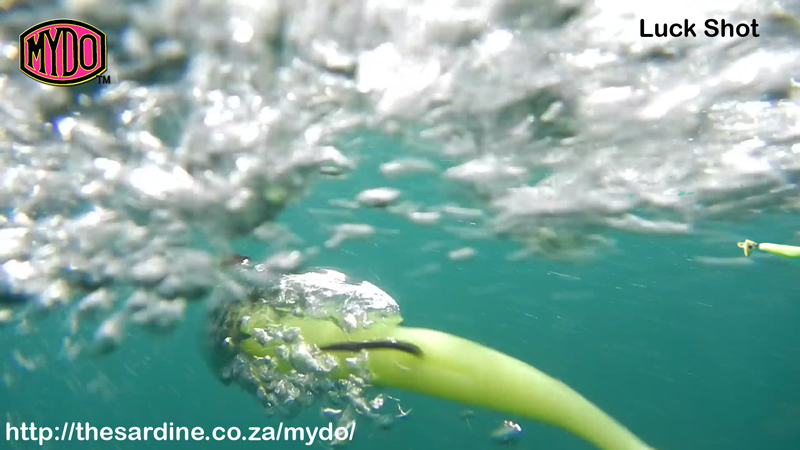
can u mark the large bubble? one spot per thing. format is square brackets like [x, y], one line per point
[297, 376]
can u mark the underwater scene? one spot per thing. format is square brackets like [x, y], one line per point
[376, 224]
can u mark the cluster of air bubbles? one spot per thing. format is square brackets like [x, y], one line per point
[99, 266]
[297, 375]
[287, 392]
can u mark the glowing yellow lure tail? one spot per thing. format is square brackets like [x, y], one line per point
[786, 251]
[449, 367]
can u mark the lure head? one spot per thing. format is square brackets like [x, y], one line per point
[274, 342]
[748, 246]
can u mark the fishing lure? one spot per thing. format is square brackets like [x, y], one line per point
[786, 251]
[422, 360]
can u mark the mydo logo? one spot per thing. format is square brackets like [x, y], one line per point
[62, 52]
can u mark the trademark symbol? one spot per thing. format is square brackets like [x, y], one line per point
[104, 79]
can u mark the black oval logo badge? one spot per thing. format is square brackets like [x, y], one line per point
[62, 52]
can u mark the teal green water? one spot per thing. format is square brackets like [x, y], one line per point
[687, 355]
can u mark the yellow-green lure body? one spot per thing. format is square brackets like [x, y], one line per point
[785, 251]
[446, 366]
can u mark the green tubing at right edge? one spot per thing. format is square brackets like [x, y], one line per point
[786, 251]
[464, 371]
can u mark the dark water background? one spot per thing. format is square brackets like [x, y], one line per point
[689, 356]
